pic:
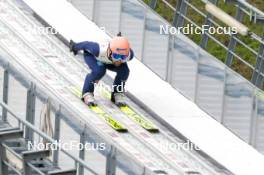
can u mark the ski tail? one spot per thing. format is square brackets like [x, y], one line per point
[142, 121]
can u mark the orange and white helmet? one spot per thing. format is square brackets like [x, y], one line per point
[119, 47]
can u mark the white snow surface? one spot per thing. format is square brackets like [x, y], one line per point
[213, 138]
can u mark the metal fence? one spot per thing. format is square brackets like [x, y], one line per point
[243, 8]
[221, 92]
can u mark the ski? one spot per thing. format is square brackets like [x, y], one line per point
[101, 113]
[132, 114]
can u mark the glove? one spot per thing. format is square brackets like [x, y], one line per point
[71, 46]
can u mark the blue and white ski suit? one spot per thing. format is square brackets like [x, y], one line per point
[95, 56]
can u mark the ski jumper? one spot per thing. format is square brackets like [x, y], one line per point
[95, 56]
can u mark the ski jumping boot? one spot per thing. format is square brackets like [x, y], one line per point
[118, 98]
[89, 100]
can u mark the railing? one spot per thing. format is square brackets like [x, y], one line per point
[114, 157]
[229, 110]
[32, 129]
[29, 123]
[243, 8]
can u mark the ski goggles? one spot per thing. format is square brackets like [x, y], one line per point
[118, 57]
